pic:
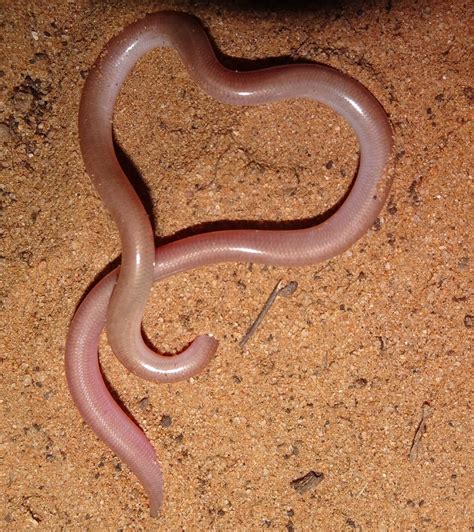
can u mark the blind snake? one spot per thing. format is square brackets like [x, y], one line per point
[118, 301]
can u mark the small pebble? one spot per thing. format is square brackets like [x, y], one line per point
[5, 133]
[166, 421]
[144, 403]
[463, 263]
[23, 101]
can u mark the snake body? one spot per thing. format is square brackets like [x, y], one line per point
[118, 301]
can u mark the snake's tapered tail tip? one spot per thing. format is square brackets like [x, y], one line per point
[155, 506]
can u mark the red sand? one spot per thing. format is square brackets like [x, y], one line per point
[335, 379]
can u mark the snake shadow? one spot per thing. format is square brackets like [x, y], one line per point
[143, 192]
[334, 8]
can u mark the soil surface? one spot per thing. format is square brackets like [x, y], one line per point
[349, 408]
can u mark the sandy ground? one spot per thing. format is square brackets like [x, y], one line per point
[337, 378]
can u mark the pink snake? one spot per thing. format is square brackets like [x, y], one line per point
[118, 301]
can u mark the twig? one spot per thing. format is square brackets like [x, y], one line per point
[279, 290]
[308, 482]
[362, 490]
[426, 412]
